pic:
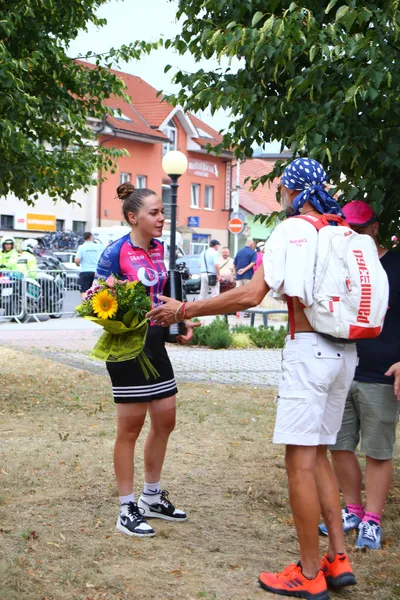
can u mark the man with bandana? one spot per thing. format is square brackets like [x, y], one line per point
[316, 376]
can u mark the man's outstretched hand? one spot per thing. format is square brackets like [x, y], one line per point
[164, 315]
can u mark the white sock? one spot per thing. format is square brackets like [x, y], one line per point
[151, 488]
[127, 499]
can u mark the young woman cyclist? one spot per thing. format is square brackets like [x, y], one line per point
[138, 256]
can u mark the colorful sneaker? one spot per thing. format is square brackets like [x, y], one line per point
[349, 520]
[158, 506]
[132, 522]
[369, 536]
[338, 573]
[292, 582]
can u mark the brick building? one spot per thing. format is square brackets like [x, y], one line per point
[147, 128]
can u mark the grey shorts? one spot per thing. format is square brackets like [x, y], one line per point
[372, 413]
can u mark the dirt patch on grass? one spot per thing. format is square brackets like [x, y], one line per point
[58, 502]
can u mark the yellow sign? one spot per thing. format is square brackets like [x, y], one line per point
[40, 222]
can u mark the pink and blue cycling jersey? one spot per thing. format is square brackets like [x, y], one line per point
[131, 262]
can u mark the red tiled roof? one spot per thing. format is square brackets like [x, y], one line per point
[135, 125]
[148, 110]
[216, 138]
[263, 199]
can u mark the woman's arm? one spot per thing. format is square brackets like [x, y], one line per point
[241, 298]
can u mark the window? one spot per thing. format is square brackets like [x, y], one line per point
[166, 199]
[171, 132]
[208, 197]
[204, 134]
[60, 224]
[121, 116]
[123, 177]
[78, 226]
[195, 196]
[6, 222]
[141, 181]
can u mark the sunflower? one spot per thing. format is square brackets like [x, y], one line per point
[104, 305]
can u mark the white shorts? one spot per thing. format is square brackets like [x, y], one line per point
[316, 377]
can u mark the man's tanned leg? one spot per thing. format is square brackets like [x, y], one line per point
[304, 502]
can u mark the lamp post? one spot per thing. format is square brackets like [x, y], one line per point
[174, 164]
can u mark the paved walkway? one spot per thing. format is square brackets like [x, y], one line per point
[69, 341]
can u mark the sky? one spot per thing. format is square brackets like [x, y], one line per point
[130, 20]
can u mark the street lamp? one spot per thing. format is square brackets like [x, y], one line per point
[174, 164]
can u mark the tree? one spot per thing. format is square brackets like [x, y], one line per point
[48, 100]
[323, 78]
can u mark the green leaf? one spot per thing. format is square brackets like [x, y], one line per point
[330, 6]
[256, 18]
[341, 12]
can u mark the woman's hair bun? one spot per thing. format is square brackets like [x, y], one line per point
[124, 190]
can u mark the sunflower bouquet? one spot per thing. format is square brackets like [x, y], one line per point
[120, 307]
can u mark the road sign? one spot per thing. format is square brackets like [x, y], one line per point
[236, 225]
[193, 221]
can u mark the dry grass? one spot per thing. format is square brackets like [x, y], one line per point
[58, 502]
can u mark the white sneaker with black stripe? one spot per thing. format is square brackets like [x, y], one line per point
[132, 522]
[158, 506]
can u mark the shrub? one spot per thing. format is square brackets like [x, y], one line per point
[219, 339]
[263, 337]
[217, 335]
[218, 329]
[242, 340]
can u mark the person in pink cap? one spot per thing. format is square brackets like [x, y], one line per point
[372, 406]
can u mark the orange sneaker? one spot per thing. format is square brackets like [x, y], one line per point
[292, 582]
[338, 573]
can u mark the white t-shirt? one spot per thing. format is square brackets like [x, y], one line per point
[211, 259]
[289, 261]
[226, 266]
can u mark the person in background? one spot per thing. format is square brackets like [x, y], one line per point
[372, 408]
[260, 254]
[209, 266]
[226, 271]
[8, 254]
[27, 262]
[226, 263]
[244, 262]
[86, 258]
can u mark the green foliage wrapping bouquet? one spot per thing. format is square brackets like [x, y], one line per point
[120, 307]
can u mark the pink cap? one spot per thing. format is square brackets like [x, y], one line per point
[359, 213]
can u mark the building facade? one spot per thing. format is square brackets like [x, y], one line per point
[23, 221]
[148, 128]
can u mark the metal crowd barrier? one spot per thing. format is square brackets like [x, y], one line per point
[25, 296]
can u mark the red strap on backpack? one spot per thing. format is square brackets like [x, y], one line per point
[323, 220]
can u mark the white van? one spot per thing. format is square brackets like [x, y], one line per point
[105, 235]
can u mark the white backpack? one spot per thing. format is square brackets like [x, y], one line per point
[351, 289]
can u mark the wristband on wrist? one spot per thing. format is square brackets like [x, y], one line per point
[178, 311]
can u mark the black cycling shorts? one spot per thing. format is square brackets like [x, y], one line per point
[128, 381]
